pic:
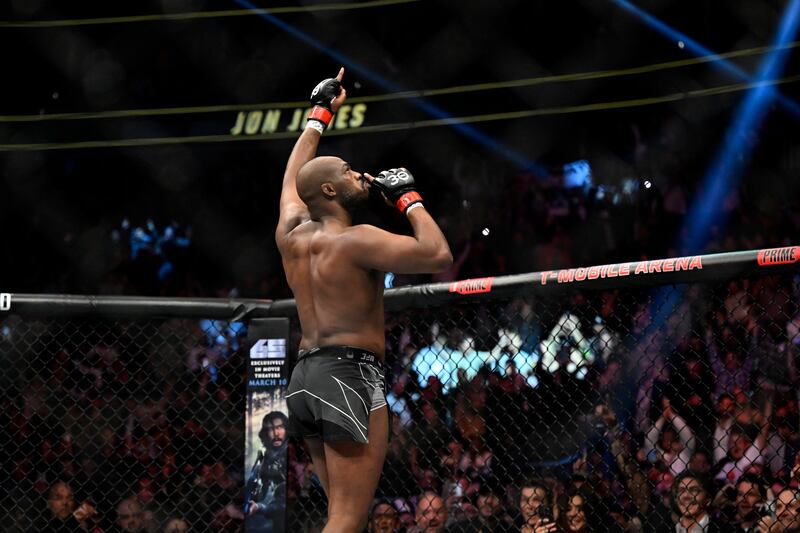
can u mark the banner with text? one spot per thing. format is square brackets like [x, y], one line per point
[266, 419]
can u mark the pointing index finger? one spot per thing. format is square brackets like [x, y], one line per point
[341, 74]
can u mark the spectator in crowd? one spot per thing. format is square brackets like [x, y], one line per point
[405, 513]
[399, 403]
[470, 425]
[462, 502]
[64, 512]
[751, 494]
[491, 513]
[787, 514]
[777, 360]
[725, 506]
[572, 512]
[383, 517]
[670, 440]
[451, 458]
[691, 385]
[398, 474]
[745, 442]
[700, 462]
[621, 446]
[428, 437]
[693, 494]
[131, 517]
[732, 369]
[534, 493]
[176, 525]
[439, 360]
[784, 443]
[566, 346]
[727, 411]
[431, 515]
[229, 519]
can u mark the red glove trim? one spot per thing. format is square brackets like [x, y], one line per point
[407, 199]
[321, 114]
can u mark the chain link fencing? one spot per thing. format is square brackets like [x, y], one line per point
[595, 409]
[141, 420]
[603, 409]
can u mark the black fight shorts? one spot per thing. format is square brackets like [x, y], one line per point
[332, 392]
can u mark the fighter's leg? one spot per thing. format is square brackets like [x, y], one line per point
[354, 470]
[317, 451]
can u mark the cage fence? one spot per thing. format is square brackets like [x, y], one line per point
[603, 398]
[605, 407]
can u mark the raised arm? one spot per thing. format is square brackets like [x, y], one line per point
[327, 97]
[651, 439]
[762, 419]
[426, 252]
[686, 436]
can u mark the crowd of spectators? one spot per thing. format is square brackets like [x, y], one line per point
[607, 422]
[585, 412]
[112, 427]
[152, 260]
[589, 414]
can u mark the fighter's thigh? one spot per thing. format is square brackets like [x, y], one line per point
[317, 451]
[354, 469]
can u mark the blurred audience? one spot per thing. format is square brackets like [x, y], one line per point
[586, 414]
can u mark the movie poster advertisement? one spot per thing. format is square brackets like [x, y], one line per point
[267, 424]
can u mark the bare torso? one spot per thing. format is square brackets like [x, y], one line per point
[338, 302]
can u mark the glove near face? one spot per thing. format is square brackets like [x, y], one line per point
[397, 184]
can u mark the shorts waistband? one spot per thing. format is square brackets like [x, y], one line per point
[358, 355]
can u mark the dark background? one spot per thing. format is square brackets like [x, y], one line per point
[59, 209]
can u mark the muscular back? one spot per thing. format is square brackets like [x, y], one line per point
[338, 301]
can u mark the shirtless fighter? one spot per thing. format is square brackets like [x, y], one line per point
[335, 269]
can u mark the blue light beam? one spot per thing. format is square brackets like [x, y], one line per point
[699, 50]
[731, 159]
[733, 156]
[435, 111]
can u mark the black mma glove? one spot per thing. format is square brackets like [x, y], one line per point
[397, 184]
[321, 98]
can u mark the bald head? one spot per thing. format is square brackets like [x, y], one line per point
[329, 186]
[316, 172]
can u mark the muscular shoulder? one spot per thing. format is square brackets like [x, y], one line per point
[368, 231]
[354, 238]
[373, 248]
[359, 231]
[297, 236]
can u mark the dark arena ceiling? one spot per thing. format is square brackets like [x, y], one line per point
[184, 110]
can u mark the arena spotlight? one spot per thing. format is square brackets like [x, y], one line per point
[727, 167]
[435, 111]
[732, 158]
[692, 46]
